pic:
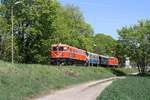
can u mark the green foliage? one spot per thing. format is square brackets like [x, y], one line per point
[5, 39]
[32, 29]
[38, 24]
[135, 43]
[105, 44]
[130, 88]
[79, 32]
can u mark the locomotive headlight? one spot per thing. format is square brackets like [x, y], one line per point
[65, 48]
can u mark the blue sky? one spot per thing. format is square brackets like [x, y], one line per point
[106, 16]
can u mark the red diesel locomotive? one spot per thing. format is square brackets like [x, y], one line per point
[62, 53]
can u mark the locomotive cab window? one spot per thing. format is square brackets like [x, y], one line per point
[59, 48]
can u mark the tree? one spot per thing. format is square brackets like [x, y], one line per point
[5, 38]
[105, 44]
[33, 26]
[38, 24]
[136, 43]
[80, 32]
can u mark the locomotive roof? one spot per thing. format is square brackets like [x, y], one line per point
[113, 57]
[107, 56]
[59, 44]
[104, 56]
[93, 53]
[67, 46]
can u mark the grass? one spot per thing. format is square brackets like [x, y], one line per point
[130, 88]
[24, 81]
[123, 71]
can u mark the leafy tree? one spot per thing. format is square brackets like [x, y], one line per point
[38, 24]
[33, 25]
[136, 42]
[105, 44]
[80, 32]
[5, 39]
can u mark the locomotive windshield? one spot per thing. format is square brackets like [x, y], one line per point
[59, 48]
[54, 49]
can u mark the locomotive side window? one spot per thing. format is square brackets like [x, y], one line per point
[59, 48]
[54, 48]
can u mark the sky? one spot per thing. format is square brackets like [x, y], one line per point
[106, 16]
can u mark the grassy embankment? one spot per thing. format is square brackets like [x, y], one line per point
[22, 81]
[130, 88]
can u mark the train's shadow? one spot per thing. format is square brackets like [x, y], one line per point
[143, 74]
[120, 73]
[117, 72]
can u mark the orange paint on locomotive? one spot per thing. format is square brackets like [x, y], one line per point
[113, 61]
[66, 51]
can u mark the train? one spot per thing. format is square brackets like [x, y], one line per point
[69, 55]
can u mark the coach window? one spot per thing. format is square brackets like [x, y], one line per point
[76, 51]
[80, 52]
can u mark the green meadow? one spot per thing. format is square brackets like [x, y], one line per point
[130, 88]
[25, 81]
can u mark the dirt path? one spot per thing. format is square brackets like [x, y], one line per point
[86, 91]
